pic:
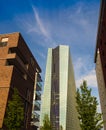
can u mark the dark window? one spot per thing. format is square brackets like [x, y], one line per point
[2, 44]
[103, 53]
[8, 63]
[105, 43]
[105, 65]
[101, 41]
[11, 50]
[28, 94]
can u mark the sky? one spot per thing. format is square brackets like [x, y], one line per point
[48, 23]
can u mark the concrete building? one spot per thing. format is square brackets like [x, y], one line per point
[58, 99]
[100, 58]
[18, 68]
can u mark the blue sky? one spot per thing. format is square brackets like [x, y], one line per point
[48, 23]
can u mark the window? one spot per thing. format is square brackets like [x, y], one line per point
[105, 43]
[105, 65]
[103, 52]
[8, 63]
[3, 42]
[4, 39]
[28, 94]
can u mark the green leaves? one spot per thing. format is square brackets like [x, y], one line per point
[87, 109]
[46, 123]
[14, 112]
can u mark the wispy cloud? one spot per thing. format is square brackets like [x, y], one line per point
[72, 26]
[40, 24]
[75, 26]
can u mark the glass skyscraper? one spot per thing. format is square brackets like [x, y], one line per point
[58, 99]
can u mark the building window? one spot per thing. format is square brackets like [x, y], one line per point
[105, 65]
[4, 39]
[8, 63]
[28, 94]
[3, 42]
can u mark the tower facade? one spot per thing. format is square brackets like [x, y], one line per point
[18, 68]
[58, 99]
[100, 58]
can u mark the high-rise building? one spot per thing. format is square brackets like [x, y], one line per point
[58, 99]
[100, 58]
[18, 68]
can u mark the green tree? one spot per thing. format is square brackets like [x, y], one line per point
[46, 123]
[14, 112]
[89, 118]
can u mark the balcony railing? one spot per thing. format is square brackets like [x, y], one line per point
[39, 79]
[38, 86]
[36, 105]
[36, 116]
[38, 95]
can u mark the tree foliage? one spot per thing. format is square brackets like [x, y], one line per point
[14, 112]
[46, 123]
[89, 118]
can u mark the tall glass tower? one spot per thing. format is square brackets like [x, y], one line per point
[58, 99]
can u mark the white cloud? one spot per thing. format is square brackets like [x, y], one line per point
[84, 70]
[90, 77]
[40, 24]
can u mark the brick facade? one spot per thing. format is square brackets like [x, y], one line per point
[100, 59]
[17, 69]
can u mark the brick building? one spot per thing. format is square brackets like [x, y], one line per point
[100, 58]
[18, 68]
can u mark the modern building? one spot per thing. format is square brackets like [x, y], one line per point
[58, 99]
[18, 68]
[100, 58]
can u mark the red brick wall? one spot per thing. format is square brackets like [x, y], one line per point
[12, 76]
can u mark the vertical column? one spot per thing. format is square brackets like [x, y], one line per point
[55, 90]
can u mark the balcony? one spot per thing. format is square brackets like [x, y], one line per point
[36, 106]
[38, 86]
[11, 56]
[39, 78]
[36, 116]
[38, 95]
[13, 59]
